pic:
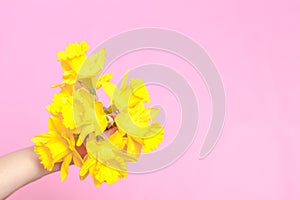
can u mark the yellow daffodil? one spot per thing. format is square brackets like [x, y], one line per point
[128, 96]
[100, 172]
[64, 97]
[57, 145]
[134, 119]
[88, 114]
[77, 66]
[71, 60]
[104, 162]
[109, 137]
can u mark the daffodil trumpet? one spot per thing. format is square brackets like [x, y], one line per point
[82, 131]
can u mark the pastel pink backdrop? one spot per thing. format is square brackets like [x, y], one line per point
[255, 46]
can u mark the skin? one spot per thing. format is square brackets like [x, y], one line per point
[22, 167]
[15, 175]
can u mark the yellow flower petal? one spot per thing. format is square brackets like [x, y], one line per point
[105, 78]
[109, 89]
[101, 116]
[152, 143]
[64, 97]
[133, 146]
[64, 167]
[118, 140]
[127, 125]
[88, 162]
[45, 155]
[73, 50]
[139, 89]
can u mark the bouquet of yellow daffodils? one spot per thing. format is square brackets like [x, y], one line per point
[98, 139]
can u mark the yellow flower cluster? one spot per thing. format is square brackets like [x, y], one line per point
[81, 131]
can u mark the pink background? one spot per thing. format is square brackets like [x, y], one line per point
[255, 46]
